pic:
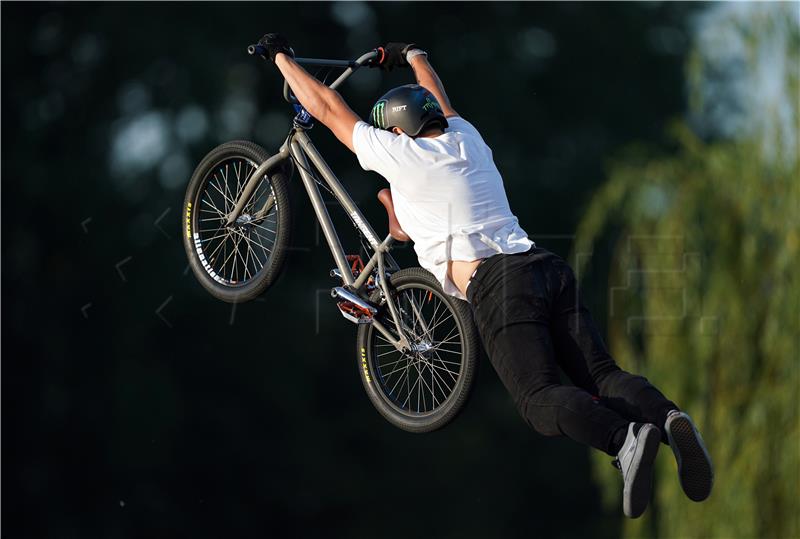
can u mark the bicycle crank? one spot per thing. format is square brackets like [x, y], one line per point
[352, 307]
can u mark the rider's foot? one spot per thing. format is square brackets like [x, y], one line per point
[636, 460]
[695, 470]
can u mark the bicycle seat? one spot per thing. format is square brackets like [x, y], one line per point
[385, 196]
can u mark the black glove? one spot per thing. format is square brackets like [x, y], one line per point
[275, 43]
[394, 55]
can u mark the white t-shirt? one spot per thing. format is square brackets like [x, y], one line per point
[448, 194]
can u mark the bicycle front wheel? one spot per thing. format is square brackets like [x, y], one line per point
[424, 388]
[239, 262]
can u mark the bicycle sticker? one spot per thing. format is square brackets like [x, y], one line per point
[360, 224]
[377, 114]
[198, 246]
[189, 221]
[364, 365]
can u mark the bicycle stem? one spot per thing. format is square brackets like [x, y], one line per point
[352, 66]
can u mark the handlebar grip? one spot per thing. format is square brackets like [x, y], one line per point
[377, 60]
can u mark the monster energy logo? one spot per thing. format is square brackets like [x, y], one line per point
[430, 104]
[378, 120]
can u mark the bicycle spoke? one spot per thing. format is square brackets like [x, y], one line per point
[240, 259]
[449, 316]
[266, 210]
[238, 179]
[433, 316]
[458, 363]
[224, 235]
[418, 315]
[391, 364]
[439, 377]
[418, 391]
[458, 352]
[451, 373]
[227, 191]
[251, 202]
[401, 378]
[437, 321]
[214, 252]
[247, 257]
[398, 369]
[422, 377]
[225, 262]
[252, 242]
[263, 227]
[267, 250]
[218, 212]
[224, 196]
[447, 339]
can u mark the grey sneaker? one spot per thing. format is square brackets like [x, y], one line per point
[635, 460]
[695, 470]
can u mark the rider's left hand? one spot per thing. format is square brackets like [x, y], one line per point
[275, 43]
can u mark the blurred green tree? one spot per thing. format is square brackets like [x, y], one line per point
[704, 293]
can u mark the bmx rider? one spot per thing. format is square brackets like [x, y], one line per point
[449, 198]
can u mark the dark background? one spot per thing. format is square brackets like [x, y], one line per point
[205, 420]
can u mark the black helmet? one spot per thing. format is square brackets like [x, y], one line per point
[412, 108]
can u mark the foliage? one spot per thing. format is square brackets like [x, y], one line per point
[704, 299]
[712, 234]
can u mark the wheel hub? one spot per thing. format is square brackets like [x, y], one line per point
[422, 348]
[244, 222]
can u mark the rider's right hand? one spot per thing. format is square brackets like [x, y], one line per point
[275, 43]
[392, 55]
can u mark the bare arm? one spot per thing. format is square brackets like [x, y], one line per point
[321, 102]
[428, 79]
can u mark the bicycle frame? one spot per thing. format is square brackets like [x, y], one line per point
[298, 146]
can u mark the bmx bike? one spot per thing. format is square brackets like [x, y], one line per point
[416, 347]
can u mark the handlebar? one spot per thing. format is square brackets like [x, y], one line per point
[256, 49]
[350, 65]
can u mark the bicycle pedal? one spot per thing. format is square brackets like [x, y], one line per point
[354, 313]
[352, 307]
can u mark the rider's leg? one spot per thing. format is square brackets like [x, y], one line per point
[523, 356]
[585, 359]
[511, 312]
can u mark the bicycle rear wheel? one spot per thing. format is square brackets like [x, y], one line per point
[239, 262]
[422, 389]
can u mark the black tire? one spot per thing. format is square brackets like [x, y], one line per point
[257, 244]
[395, 405]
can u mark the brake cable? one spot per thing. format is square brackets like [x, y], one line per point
[310, 172]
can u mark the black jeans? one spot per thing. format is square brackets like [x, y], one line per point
[531, 320]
